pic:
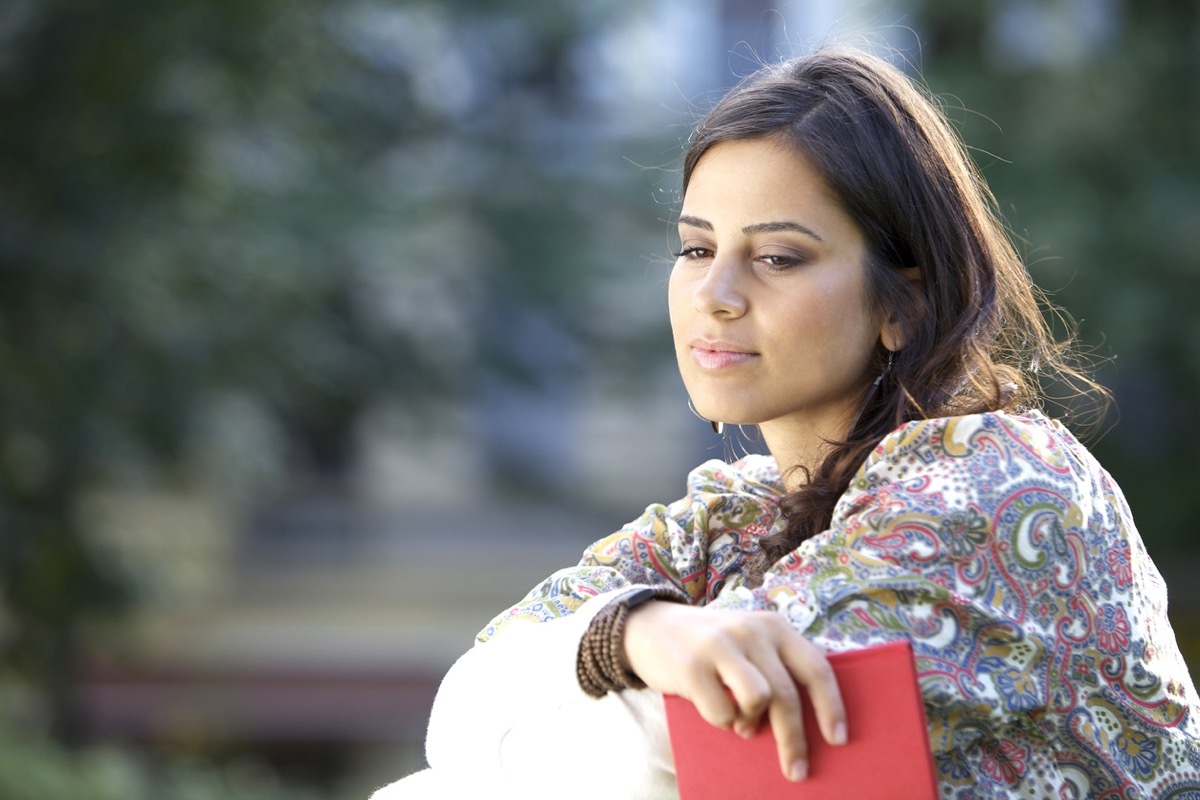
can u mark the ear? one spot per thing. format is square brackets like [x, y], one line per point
[894, 334]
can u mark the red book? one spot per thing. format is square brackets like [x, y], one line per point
[886, 756]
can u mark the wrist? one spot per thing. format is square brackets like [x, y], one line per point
[602, 664]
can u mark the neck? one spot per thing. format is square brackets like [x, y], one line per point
[798, 448]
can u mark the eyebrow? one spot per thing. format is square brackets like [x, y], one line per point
[760, 227]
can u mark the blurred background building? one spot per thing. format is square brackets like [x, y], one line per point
[328, 328]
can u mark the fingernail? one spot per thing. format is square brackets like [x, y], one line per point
[799, 771]
[744, 731]
[839, 734]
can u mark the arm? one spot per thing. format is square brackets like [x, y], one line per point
[500, 700]
[697, 544]
[520, 680]
[511, 713]
[1002, 552]
[848, 587]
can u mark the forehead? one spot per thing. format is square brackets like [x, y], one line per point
[749, 181]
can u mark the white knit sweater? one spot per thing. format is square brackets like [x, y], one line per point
[510, 721]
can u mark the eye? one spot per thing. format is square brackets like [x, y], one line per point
[693, 253]
[779, 263]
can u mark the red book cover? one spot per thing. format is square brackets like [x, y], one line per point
[886, 756]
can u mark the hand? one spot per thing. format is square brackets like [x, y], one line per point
[705, 654]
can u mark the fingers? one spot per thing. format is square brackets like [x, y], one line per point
[753, 692]
[736, 666]
[809, 667]
[708, 693]
[792, 659]
[762, 676]
[731, 690]
[787, 722]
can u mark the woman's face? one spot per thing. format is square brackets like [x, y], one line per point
[768, 295]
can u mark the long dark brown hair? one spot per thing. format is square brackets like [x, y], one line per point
[975, 338]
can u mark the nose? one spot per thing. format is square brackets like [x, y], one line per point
[720, 293]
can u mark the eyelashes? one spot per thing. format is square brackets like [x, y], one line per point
[773, 262]
[780, 263]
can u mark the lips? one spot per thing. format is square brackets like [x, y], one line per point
[719, 355]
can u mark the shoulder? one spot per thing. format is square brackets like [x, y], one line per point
[1030, 439]
[976, 462]
[698, 542]
[754, 475]
[721, 496]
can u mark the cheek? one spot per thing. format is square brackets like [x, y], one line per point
[677, 302]
[837, 314]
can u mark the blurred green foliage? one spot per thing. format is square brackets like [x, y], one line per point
[253, 217]
[33, 768]
[157, 255]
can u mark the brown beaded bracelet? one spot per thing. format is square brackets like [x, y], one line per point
[599, 666]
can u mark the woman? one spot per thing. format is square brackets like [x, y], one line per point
[845, 283]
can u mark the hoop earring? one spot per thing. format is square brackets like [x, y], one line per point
[718, 427]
